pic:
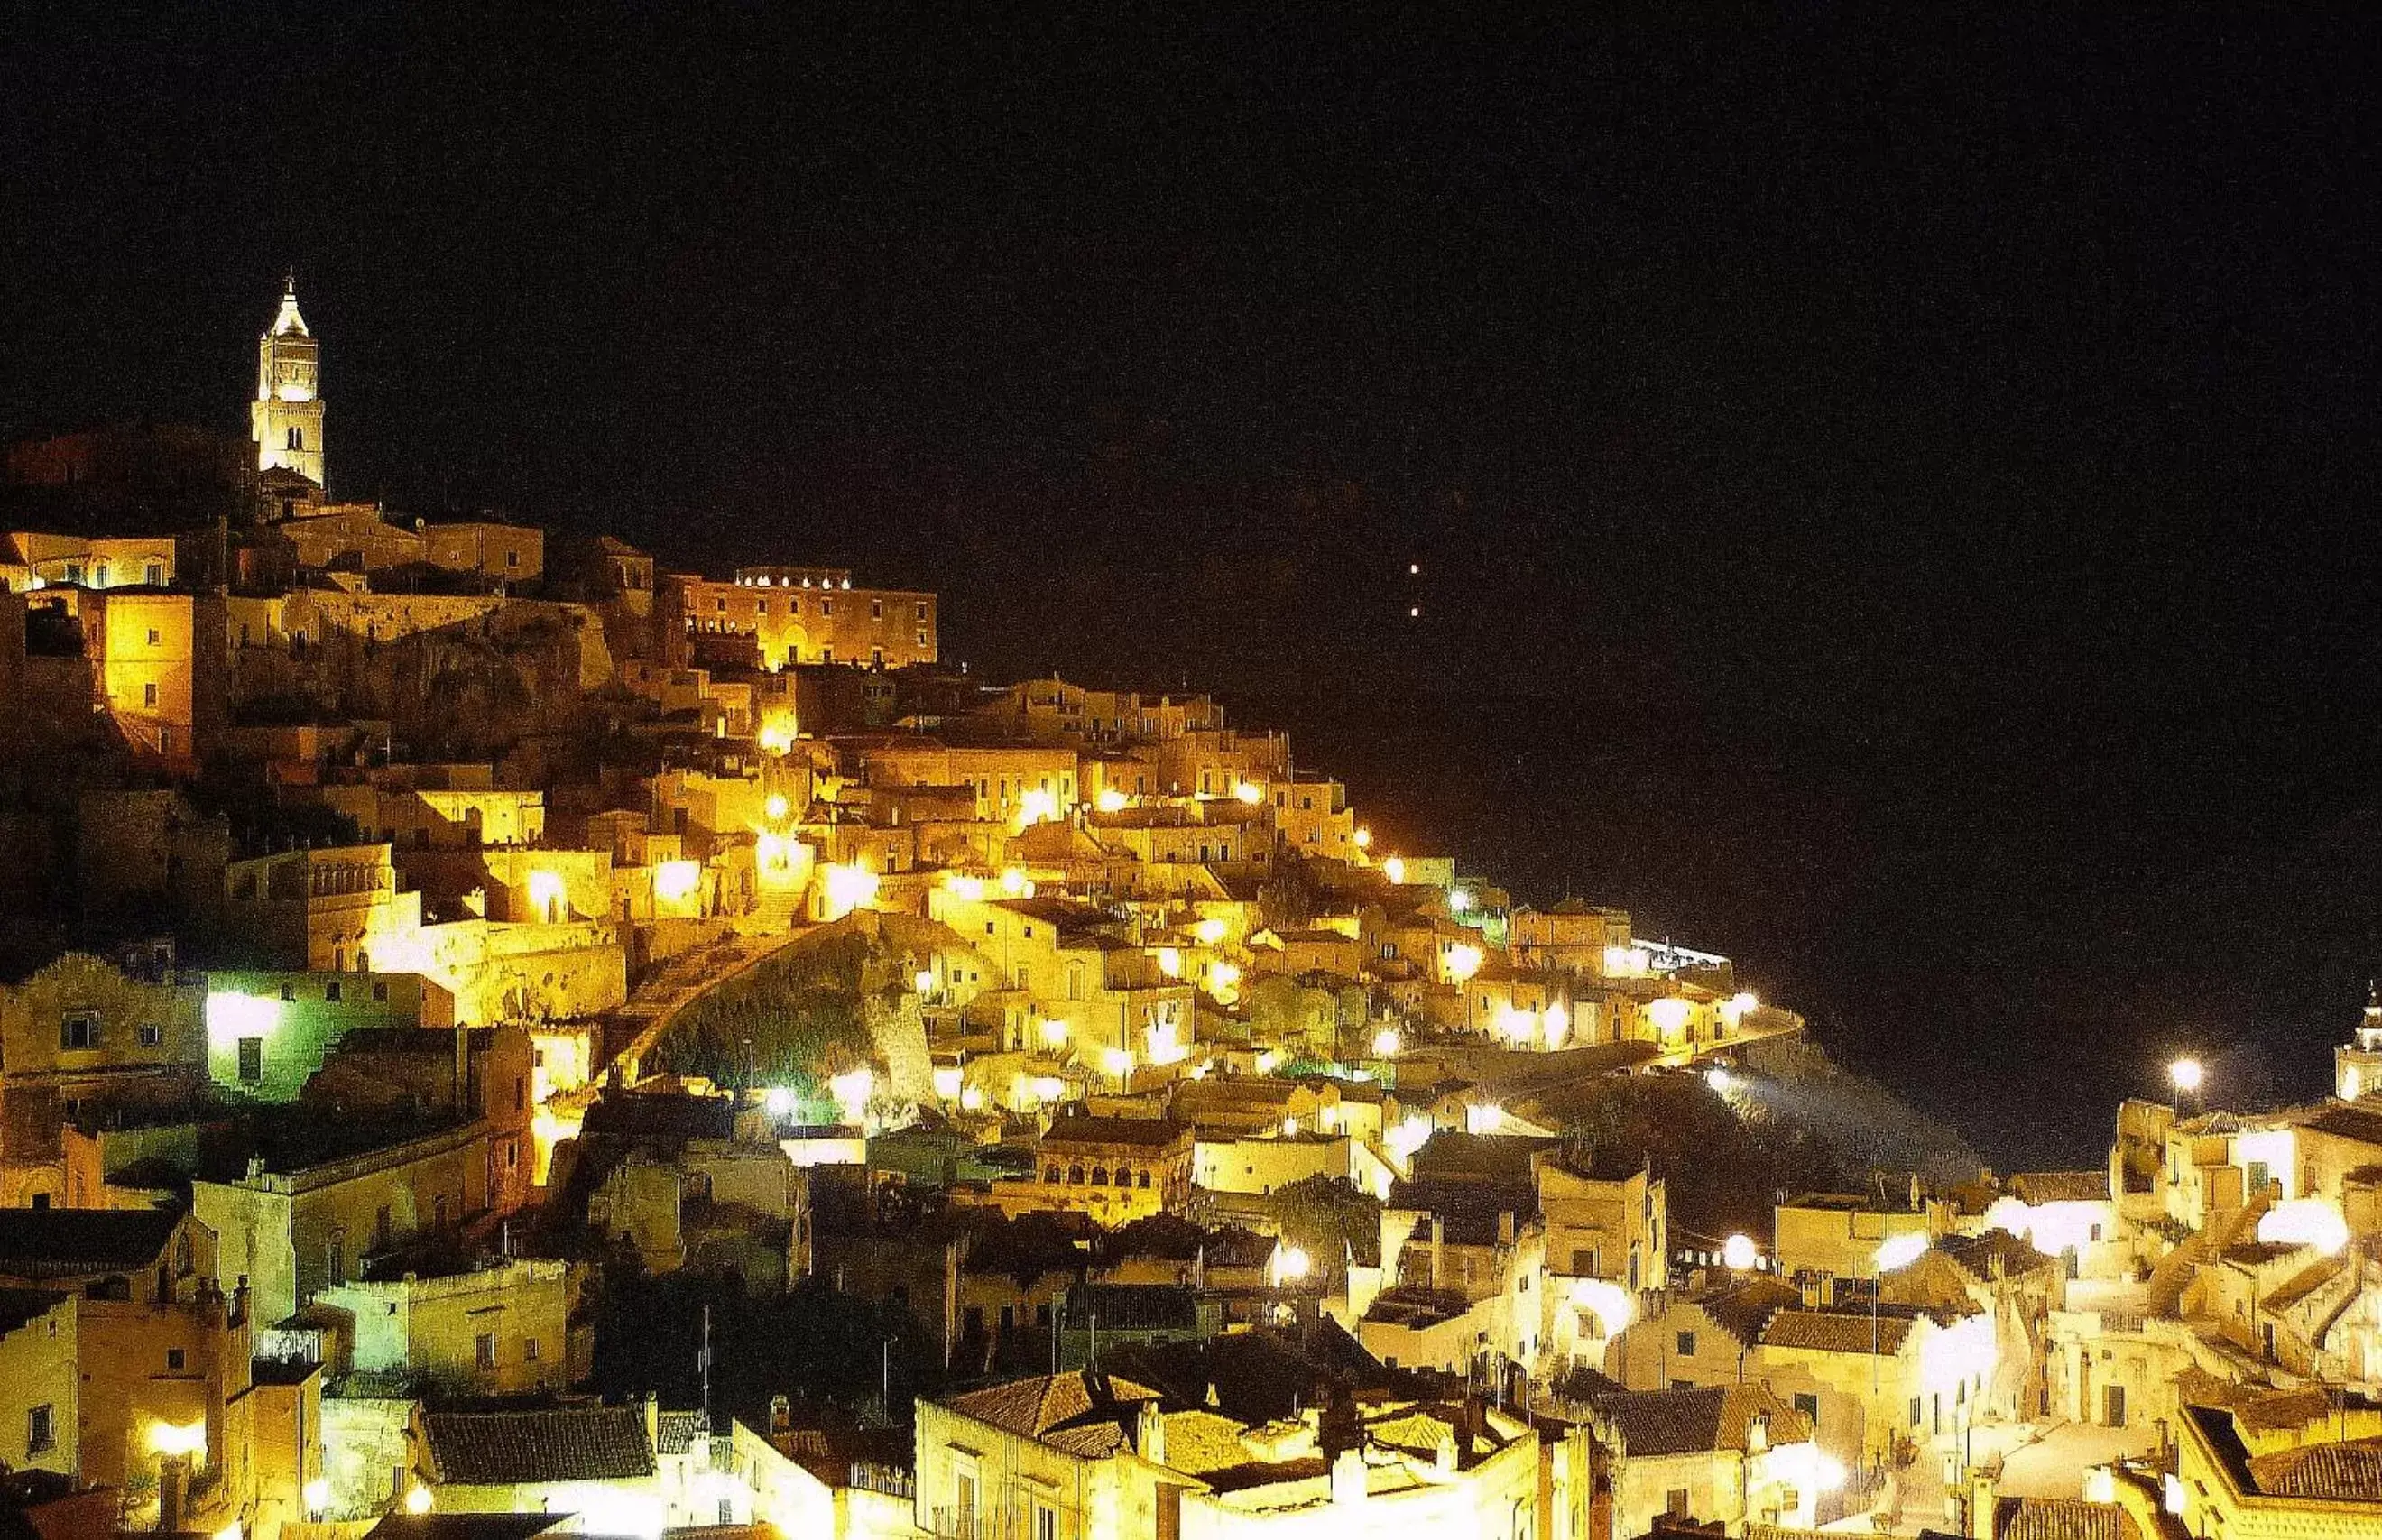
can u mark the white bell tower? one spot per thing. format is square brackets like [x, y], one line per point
[2357, 1064]
[286, 419]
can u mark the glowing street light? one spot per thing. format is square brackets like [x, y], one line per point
[775, 807]
[2187, 1075]
[1738, 1254]
[1385, 1042]
[417, 1501]
[1720, 1080]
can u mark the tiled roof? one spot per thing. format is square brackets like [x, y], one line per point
[2062, 1519]
[463, 1526]
[675, 1431]
[1743, 1308]
[1976, 1253]
[1084, 1414]
[1113, 1131]
[1698, 1420]
[62, 1242]
[1837, 1332]
[2060, 1187]
[579, 1443]
[2348, 1123]
[2339, 1471]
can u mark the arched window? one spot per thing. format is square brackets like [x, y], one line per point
[1052, 1176]
[1099, 1176]
[1142, 1181]
[297, 437]
[1076, 1175]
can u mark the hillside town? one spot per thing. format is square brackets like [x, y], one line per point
[501, 1036]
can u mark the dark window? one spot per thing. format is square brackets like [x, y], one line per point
[380, 992]
[1686, 1344]
[41, 1430]
[152, 1035]
[332, 991]
[80, 1030]
[1809, 1405]
[176, 1358]
[251, 1059]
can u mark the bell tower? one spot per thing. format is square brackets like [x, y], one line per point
[2357, 1064]
[286, 419]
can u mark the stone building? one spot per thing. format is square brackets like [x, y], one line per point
[285, 420]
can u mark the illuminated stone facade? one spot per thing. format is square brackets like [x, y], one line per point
[285, 420]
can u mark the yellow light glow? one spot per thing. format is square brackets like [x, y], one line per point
[1720, 1080]
[1464, 959]
[775, 807]
[1737, 1006]
[316, 1495]
[1249, 792]
[1290, 1128]
[1483, 1117]
[674, 880]
[1514, 1025]
[1827, 1472]
[1266, 1061]
[1460, 900]
[1050, 1088]
[851, 1092]
[1626, 962]
[1669, 1014]
[1555, 1025]
[1738, 1253]
[1170, 961]
[1608, 1305]
[1037, 807]
[948, 1081]
[1410, 1135]
[1385, 1042]
[1897, 1252]
[2187, 1074]
[1363, 836]
[546, 892]
[972, 1099]
[1209, 932]
[923, 981]
[1117, 1062]
[1013, 881]
[2305, 1222]
[1290, 1265]
[772, 853]
[178, 1438]
[1110, 801]
[781, 1102]
[775, 739]
[1054, 1034]
[1223, 982]
[229, 1531]
[232, 1016]
[417, 1501]
[1166, 1045]
[1395, 869]
[847, 887]
[961, 886]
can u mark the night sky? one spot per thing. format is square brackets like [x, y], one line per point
[1894, 496]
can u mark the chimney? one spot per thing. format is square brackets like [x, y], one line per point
[1348, 1477]
[1438, 1242]
[173, 1492]
[653, 1420]
[1815, 1290]
[1150, 1434]
[782, 1416]
[1981, 1502]
[1505, 1229]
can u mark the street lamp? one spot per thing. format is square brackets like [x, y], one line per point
[2186, 1073]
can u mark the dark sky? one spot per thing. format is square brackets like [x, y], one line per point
[1895, 493]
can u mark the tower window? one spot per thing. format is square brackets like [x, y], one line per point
[297, 438]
